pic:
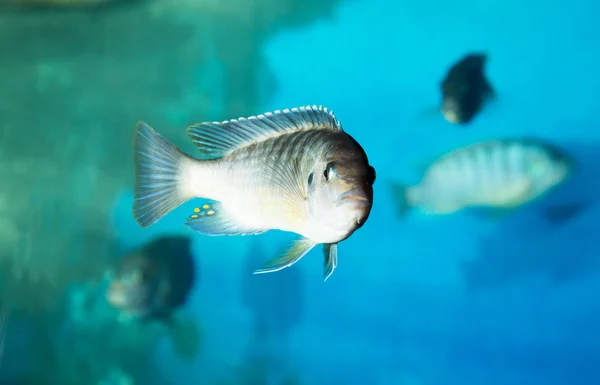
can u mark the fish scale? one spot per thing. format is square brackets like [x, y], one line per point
[253, 189]
[256, 190]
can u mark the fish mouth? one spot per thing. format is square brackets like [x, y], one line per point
[356, 195]
[451, 116]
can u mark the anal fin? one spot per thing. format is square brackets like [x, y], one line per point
[330, 257]
[293, 254]
[213, 219]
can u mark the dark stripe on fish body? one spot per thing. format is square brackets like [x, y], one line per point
[501, 168]
[488, 175]
[285, 148]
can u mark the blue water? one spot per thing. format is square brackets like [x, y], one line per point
[397, 310]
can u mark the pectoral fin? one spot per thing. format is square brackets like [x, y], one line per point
[293, 254]
[330, 259]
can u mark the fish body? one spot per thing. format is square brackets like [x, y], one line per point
[497, 174]
[293, 170]
[152, 282]
[465, 89]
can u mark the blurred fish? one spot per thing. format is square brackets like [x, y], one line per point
[496, 174]
[465, 89]
[581, 192]
[155, 280]
[293, 170]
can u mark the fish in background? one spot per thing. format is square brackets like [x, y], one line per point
[560, 245]
[580, 192]
[465, 89]
[494, 176]
[153, 281]
[293, 170]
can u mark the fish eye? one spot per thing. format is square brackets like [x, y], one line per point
[311, 176]
[329, 171]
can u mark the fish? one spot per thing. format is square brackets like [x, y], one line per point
[294, 170]
[496, 175]
[153, 281]
[465, 89]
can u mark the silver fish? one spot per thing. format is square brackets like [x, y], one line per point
[501, 174]
[293, 170]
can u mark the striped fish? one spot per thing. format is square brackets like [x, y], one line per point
[293, 170]
[500, 174]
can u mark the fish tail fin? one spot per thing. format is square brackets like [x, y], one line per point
[159, 166]
[400, 197]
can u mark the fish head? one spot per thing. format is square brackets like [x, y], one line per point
[340, 191]
[133, 288]
[549, 168]
[460, 102]
[451, 110]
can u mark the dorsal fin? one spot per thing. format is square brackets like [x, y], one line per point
[215, 139]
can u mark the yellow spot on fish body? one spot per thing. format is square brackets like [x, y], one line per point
[202, 212]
